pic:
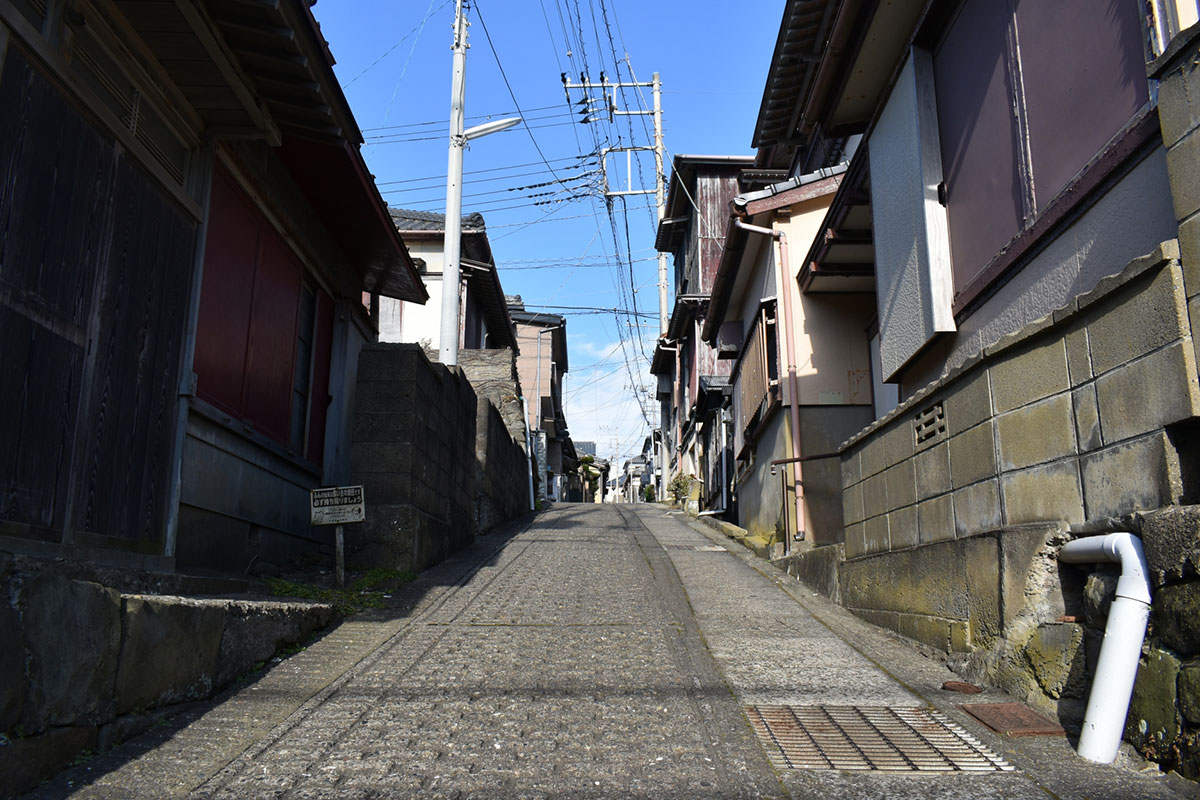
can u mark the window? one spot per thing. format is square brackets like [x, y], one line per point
[755, 376]
[1166, 18]
[1028, 93]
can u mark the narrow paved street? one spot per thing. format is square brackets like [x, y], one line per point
[602, 651]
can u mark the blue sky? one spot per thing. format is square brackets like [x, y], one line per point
[555, 239]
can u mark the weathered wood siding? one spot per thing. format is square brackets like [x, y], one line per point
[713, 193]
[95, 267]
[130, 421]
[55, 174]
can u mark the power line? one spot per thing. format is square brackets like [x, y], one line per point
[388, 52]
[511, 93]
[444, 122]
[489, 169]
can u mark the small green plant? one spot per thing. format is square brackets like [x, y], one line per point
[648, 493]
[365, 592]
[680, 487]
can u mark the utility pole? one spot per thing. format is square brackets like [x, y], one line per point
[452, 243]
[608, 101]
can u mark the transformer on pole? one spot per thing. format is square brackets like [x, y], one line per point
[607, 103]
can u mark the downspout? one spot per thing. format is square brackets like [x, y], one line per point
[1112, 686]
[785, 289]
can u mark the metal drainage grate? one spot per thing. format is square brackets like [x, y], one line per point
[702, 548]
[869, 738]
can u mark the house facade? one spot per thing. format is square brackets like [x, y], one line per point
[187, 230]
[1018, 183]
[541, 364]
[800, 382]
[692, 381]
[484, 323]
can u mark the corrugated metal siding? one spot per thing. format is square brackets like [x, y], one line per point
[713, 193]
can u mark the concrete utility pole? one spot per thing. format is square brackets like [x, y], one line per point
[608, 97]
[452, 243]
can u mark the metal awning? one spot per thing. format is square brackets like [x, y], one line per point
[842, 257]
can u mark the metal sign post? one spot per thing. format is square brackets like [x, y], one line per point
[337, 505]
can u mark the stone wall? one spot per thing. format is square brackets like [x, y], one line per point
[414, 453]
[502, 466]
[502, 471]
[83, 666]
[493, 375]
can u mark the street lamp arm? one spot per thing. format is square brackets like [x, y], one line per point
[495, 126]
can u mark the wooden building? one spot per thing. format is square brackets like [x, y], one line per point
[186, 228]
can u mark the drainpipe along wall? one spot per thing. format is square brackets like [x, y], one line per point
[783, 280]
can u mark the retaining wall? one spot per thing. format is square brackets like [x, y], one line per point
[956, 503]
[414, 453]
[84, 666]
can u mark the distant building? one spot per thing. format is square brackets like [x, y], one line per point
[586, 448]
[483, 323]
[541, 364]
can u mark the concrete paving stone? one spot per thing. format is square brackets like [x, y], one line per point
[601, 652]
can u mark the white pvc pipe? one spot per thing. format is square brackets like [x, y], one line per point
[1112, 686]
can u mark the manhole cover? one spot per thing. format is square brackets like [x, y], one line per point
[869, 738]
[1012, 719]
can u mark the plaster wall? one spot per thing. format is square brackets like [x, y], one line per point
[912, 245]
[412, 322]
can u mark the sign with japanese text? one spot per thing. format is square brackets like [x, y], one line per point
[337, 505]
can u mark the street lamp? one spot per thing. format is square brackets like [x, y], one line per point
[452, 244]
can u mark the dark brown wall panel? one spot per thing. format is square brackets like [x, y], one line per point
[1084, 78]
[980, 160]
[54, 187]
[132, 406]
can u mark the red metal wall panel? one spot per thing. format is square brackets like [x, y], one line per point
[230, 256]
[270, 362]
[246, 338]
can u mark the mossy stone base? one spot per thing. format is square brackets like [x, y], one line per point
[1153, 723]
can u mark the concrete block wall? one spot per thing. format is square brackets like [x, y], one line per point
[413, 450]
[1068, 419]
[83, 666]
[956, 503]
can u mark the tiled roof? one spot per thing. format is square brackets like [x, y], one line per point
[410, 220]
